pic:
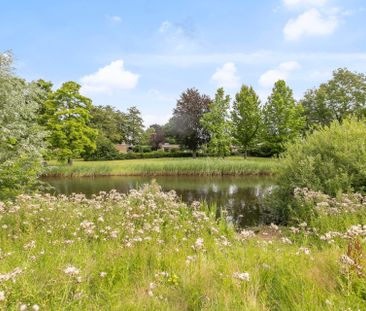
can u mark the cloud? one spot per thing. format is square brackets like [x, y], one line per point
[304, 3]
[109, 78]
[310, 23]
[226, 76]
[180, 36]
[282, 72]
[114, 18]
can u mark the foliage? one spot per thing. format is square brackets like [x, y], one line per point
[134, 126]
[147, 136]
[331, 160]
[158, 137]
[109, 122]
[105, 150]
[21, 139]
[246, 118]
[186, 121]
[216, 123]
[283, 119]
[149, 251]
[342, 96]
[68, 121]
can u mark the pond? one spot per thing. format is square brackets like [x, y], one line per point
[240, 196]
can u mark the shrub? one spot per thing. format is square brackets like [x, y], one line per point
[105, 150]
[331, 160]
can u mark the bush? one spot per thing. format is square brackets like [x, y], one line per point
[331, 160]
[106, 150]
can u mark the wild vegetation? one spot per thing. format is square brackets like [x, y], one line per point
[147, 250]
[172, 166]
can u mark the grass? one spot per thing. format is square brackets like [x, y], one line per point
[149, 251]
[168, 166]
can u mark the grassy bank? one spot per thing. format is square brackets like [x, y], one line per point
[168, 166]
[149, 251]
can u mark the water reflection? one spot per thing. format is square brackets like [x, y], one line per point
[241, 197]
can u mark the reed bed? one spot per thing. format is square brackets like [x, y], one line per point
[168, 166]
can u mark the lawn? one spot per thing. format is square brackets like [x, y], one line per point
[149, 251]
[168, 166]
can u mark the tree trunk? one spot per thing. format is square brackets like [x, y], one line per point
[69, 161]
[245, 153]
[194, 154]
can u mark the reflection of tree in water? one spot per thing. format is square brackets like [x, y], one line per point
[243, 205]
[241, 197]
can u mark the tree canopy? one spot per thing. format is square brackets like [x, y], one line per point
[68, 122]
[186, 121]
[21, 139]
[246, 117]
[216, 122]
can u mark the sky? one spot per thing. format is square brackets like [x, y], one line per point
[145, 53]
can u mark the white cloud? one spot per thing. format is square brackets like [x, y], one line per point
[180, 36]
[310, 23]
[226, 76]
[109, 78]
[282, 72]
[114, 18]
[304, 3]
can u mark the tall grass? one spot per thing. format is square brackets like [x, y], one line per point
[180, 166]
[149, 251]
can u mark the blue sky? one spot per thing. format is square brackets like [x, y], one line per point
[144, 53]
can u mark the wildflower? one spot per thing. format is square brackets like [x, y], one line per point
[304, 250]
[102, 274]
[198, 244]
[2, 295]
[245, 234]
[35, 307]
[347, 260]
[286, 240]
[23, 307]
[70, 270]
[243, 276]
[30, 245]
[274, 227]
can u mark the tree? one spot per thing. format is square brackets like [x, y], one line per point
[110, 122]
[134, 126]
[158, 137]
[68, 121]
[341, 96]
[282, 117]
[191, 106]
[246, 118]
[21, 139]
[147, 135]
[215, 121]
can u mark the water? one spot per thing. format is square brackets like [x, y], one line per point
[241, 197]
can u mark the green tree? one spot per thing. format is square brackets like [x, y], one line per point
[21, 138]
[134, 126]
[246, 118]
[110, 122]
[68, 121]
[283, 118]
[147, 136]
[186, 120]
[341, 96]
[216, 122]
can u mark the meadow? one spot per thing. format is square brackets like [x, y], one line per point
[149, 251]
[167, 166]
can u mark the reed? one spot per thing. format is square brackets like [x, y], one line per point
[168, 166]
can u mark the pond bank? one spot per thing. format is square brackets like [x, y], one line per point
[230, 166]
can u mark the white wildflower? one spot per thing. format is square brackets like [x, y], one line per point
[243, 276]
[71, 270]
